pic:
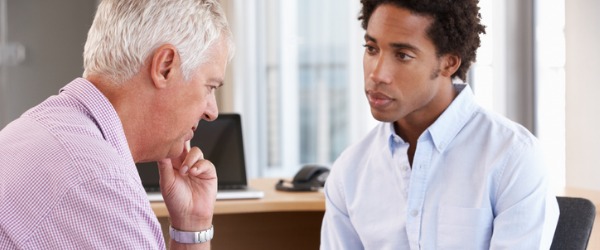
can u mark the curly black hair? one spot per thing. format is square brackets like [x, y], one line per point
[455, 29]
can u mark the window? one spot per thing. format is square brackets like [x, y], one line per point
[302, 87]
[550, 85]
[481, 75]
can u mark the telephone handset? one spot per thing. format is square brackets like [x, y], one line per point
[309, 178]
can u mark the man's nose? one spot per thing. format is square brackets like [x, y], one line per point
[381, 71]
[212, 110]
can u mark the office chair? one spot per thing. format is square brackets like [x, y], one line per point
[574, 223]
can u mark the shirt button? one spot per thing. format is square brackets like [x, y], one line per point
[414, 213]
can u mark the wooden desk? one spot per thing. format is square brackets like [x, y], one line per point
[280, 220]
[274, 201]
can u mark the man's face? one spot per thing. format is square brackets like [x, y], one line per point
[400, 65]
[188, 102]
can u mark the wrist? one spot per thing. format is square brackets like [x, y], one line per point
[191, 224]
[191, 228]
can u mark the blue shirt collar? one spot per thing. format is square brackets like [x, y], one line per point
[447, 126]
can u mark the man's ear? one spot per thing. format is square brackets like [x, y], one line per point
[450, 64]
[163, 65]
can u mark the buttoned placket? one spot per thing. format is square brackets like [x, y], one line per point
[401, 156]
[417, 189]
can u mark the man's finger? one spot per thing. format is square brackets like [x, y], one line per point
[192, 157]
[167, 167]
[165, 172]
[180, 163]
[203, 169]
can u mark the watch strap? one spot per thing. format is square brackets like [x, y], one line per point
[191, 237]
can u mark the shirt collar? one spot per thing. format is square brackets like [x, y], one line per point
[394, 140]
[454, 118]
[101, 111]
[447, 126]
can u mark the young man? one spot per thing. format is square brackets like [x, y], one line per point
[68, 178]
[439, 171]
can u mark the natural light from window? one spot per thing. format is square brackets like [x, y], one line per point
[550, 84]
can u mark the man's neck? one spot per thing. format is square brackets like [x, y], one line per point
[413, 125]
[126, 99]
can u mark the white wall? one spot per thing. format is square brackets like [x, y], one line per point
[53, 34]
[582, 94]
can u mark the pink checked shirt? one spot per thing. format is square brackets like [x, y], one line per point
[68, 180]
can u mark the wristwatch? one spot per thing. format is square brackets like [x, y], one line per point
[191, 237]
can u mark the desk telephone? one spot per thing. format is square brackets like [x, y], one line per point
[309, 178]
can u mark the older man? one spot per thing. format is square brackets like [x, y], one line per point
[68, 177]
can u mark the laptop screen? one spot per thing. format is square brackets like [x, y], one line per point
[222, 143]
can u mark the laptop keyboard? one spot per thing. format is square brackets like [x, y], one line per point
[222, 187]
[231, 187]
[152, 189]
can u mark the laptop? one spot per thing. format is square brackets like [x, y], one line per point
[222, 143]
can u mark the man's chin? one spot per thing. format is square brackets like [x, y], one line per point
[382, 116]
[175, 151]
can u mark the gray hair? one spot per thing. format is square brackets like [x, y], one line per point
[125, 32]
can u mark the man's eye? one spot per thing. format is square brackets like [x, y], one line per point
[403, 56]
[212, 88]
[370, 49]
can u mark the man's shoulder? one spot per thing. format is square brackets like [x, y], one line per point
[373, 142]
[500, 126]
[491, 134]
[62, 114]
[63, 125]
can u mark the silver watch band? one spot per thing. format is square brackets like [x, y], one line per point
[191, 237]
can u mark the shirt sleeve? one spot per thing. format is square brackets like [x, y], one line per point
[526, 211]
[100, 214]
[337, 231]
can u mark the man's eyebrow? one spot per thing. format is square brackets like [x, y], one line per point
[404, 46]
[220, 82]
[394, 45]
[370, 38]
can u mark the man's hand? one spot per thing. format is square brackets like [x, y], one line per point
[189, 187]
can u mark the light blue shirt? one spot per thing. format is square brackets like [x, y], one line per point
[477, 182]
